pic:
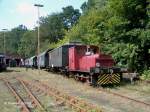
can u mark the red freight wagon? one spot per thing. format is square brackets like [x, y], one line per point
[87, 63]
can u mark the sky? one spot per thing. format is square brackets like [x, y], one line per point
[16, 12]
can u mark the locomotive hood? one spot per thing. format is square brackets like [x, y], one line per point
[104, 60]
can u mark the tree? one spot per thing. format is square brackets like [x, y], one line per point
[89, 29]
[13, 38]
[92, 4]
[52, 28]
[28, 44]
[119, 27]
[127, 22]
[70, 16]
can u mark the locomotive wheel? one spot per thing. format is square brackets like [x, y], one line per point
[88, 81]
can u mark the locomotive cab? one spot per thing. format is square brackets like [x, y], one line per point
[92, 51]
[82, 57]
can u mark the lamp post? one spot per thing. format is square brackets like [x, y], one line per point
[4, 42]
[38, 47]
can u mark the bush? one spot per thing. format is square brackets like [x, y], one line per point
[146, 75]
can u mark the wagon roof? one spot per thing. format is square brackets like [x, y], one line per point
[32, 57]
[61, 46]
[43, 53]
[73, 45]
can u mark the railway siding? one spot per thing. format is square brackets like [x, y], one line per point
[25, 99]
[34, 99]
[7, 102]
[78, 105]
[23, 106]
[107, 102]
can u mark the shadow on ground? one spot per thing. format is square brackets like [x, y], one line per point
[8, 71]
[123, 83]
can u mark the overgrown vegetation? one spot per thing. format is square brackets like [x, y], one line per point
[146, 75]
[118, 27]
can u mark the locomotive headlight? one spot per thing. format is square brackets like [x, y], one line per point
[97, 64]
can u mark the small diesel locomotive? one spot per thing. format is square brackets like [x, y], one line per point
[88, 64]
[83, 62]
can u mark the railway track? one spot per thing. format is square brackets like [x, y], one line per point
[137, 90]
[144, 81]
[75, 103]
[125, 97]
[40, 85]
[26, 101]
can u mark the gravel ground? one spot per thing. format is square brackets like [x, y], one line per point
[108, 102]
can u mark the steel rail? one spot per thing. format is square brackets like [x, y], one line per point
[24, 107]
[73, 101]
[145, 81]
[51, 93]
[77, 101]
[125, 97]
[79, 105]
[34, 99]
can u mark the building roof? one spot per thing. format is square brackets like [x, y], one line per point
[13, 56]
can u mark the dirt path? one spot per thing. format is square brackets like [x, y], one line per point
[108, 102]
